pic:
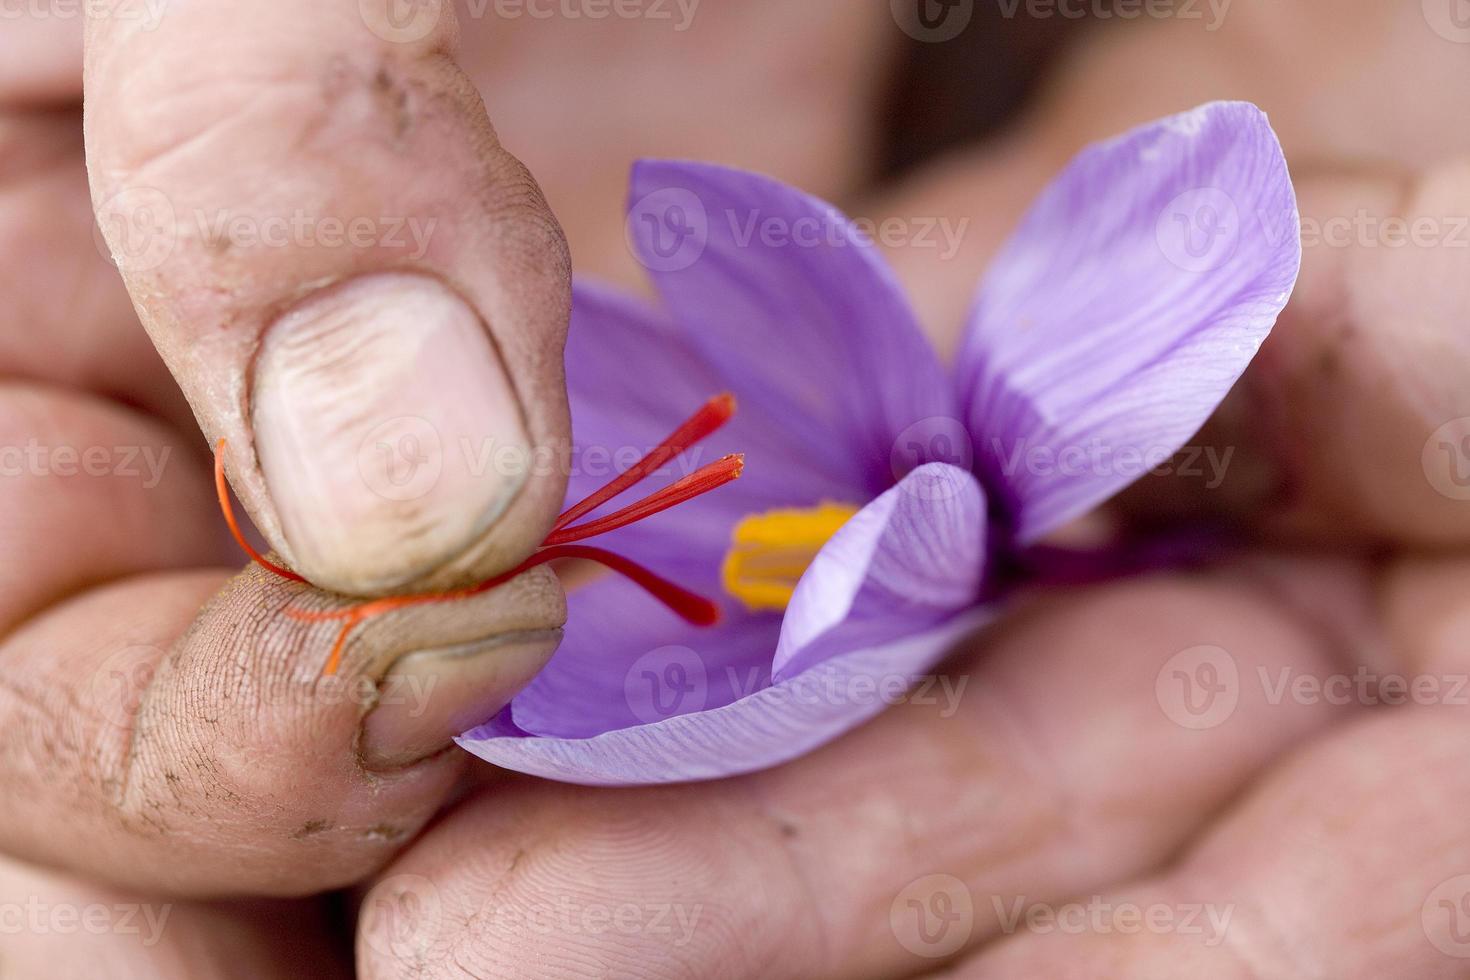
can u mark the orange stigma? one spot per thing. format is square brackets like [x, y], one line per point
[694, 609]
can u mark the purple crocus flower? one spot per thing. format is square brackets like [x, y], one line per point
[1132, 297]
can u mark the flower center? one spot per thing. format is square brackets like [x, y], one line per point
[770, 551]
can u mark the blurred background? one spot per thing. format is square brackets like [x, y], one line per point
[959, 111]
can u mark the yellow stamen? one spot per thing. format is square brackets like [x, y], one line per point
[770, 551]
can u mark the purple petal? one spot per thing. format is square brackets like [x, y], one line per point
[626, 661]
[907, 561]
[764, 729]
[633, 376]
[796, 307]
[1136, 291]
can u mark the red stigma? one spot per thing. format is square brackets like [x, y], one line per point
[692, 608]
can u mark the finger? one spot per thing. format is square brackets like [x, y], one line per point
[67, 319]
[1426, 614]
[1355, 419]
[1167, 64]
[172, 750]
[1351, 860]
[212, 758]
[1031, 777]
[348, 275]
[64, 929]
[41, 53]
[98, 492]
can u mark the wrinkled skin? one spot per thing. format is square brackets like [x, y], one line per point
[173, 754]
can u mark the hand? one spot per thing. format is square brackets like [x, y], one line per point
[179, 750]
[1198, 745]
[619, 852]
[170, 736]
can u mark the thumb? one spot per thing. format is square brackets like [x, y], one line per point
[349, 277]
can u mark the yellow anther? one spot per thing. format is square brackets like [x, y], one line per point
[770, 551]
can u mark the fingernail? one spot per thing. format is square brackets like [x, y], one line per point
[430, 696]
[388, 432]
